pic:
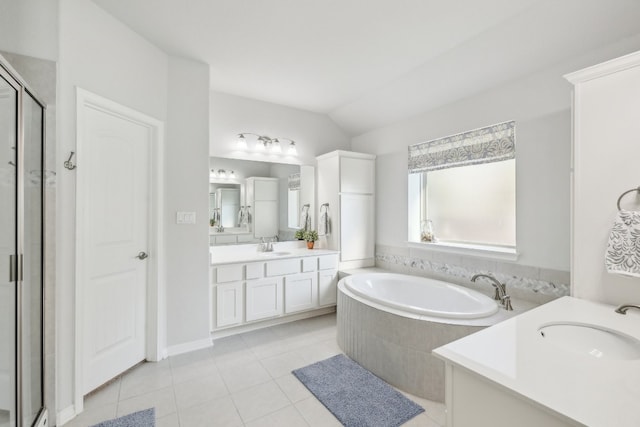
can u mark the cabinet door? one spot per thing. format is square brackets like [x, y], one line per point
[357, 175]
[265, 218]
[264, 298]
[265, 189]
[229, 304]
[357, 237]
[327, 287]
[300, 292]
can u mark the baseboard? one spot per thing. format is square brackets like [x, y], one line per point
[189, 346]
[261, 324]
[66, 415]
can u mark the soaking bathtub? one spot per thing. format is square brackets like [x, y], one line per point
[389, 323]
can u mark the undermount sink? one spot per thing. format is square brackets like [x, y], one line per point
[275, 254]
[592, 340]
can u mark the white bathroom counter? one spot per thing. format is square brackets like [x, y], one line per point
[581, 387]
[249, 253]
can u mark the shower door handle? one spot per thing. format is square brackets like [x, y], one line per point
[142, 255]
[15, 268]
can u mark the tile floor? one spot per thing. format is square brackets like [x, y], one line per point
[243, 380]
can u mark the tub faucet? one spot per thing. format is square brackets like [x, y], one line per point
[500, 291]
[624, 307]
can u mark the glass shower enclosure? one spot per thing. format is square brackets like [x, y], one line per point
[21, 253]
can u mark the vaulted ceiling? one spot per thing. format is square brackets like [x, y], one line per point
[368, 63]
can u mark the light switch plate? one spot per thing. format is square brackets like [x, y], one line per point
[185, 217]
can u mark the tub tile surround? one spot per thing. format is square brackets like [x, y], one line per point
[533, 284]
[397, 348]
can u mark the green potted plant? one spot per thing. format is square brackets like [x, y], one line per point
[299, 234]
[310, 236]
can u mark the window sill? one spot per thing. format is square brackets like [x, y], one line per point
[484, 251]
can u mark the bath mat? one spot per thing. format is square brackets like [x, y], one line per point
[354, 395]
[146, 418]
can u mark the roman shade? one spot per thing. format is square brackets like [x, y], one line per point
[294, 181]
[485, 145]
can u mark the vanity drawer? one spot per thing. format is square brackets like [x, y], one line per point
[283, 266]
[229, 273]
[327, 262]
[255, 270]
[226, 238]
[244, 238]
[309, 264]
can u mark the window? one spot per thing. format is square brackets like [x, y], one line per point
[464, 187]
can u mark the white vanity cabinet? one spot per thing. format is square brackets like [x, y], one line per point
[258, 290]
[264, 298]
[346, 182]
[229, 304]
[300, 292]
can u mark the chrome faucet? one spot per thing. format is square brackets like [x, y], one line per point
[266, 246]
[624, 307]
[500, 291]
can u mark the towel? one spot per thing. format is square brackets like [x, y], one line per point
[305, 218]
[246, 216]
[623, 248]
[241, 216]
[324, 227]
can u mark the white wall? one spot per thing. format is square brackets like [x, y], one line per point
[606, 151]
[540, 106]
[187, 189]
[314, 133]
[30, 27]
[101, 55]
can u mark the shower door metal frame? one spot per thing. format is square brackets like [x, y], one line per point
[22, 89]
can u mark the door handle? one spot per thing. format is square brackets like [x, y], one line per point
[142, 255]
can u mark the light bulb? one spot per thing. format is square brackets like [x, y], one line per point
[232, 175]
[222, 173]
[241, 143]
[292, 149]
[276, 148]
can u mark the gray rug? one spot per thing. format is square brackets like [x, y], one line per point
[354, 395]
[146, 418]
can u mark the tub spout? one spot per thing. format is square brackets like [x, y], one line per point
[624, 307]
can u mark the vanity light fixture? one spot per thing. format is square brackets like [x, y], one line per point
[266, 144]
[221, 174]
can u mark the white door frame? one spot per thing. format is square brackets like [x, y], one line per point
[155, 314]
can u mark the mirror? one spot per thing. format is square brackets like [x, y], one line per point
[228, 195]
[226, 205]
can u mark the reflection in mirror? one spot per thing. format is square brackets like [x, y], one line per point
[227, 206]
[289, 199]
[293, 201]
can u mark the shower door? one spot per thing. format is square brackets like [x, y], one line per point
[21, 254]
[9, 92]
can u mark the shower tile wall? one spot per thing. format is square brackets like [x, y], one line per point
[533, 284]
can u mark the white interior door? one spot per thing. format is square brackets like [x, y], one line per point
[113, 217]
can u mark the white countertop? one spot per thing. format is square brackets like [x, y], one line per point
[595, 392]
[249, 253]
